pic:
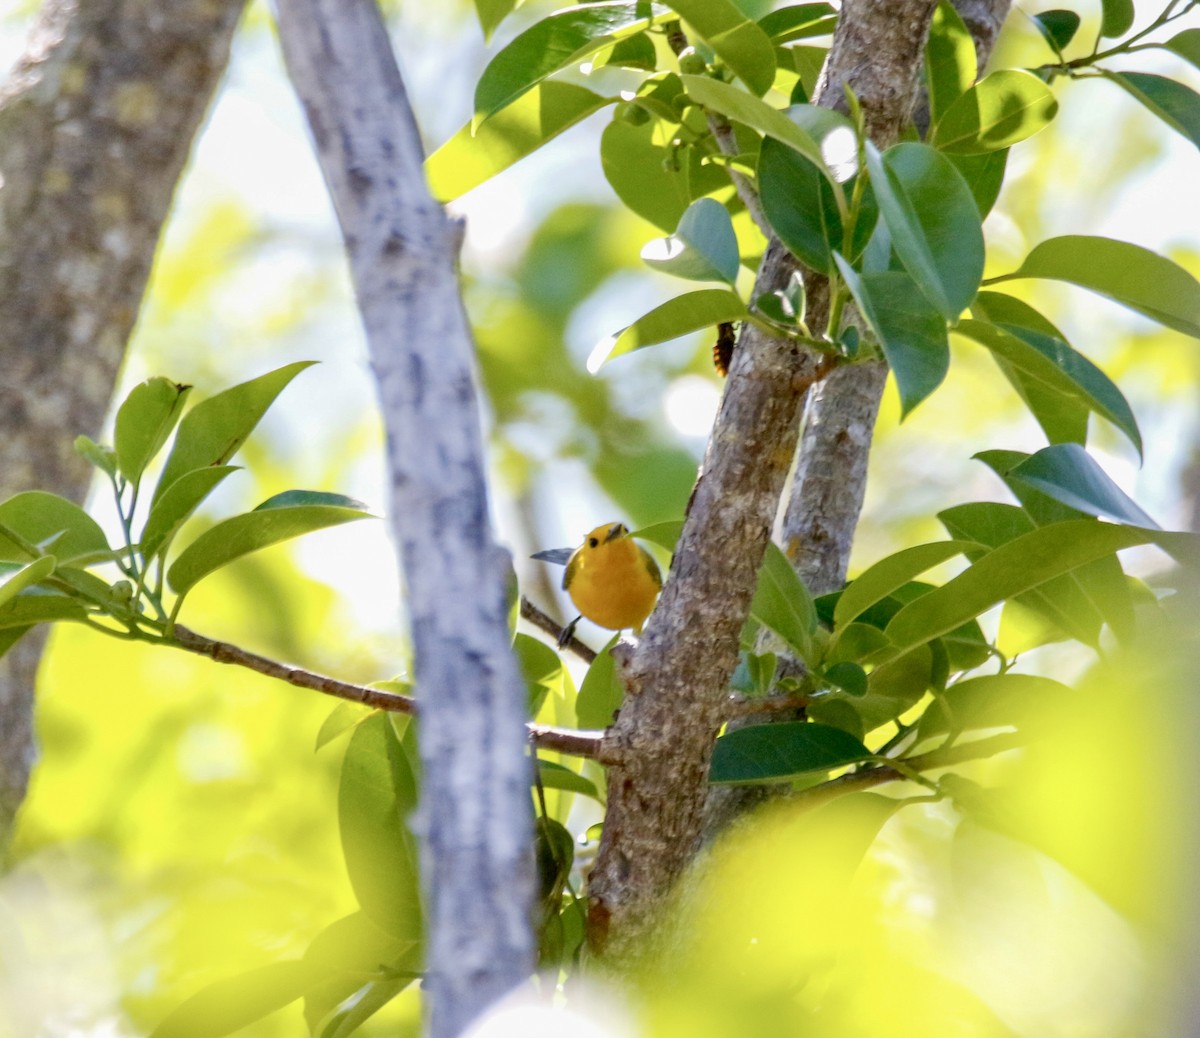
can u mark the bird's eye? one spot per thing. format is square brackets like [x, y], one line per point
[593, 542]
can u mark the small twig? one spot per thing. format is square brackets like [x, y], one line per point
[748, 706]
[543, 622]
[578, 743]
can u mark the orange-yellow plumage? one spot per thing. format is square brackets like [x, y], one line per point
[613, 580]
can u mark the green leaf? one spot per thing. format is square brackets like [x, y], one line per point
[355, 1010]
[541, 668]
[376, 795]
[665, 534]
[1020, 565]
[53, 524]
[778, 752]
[741, 107]
[984, 175]
[24, 611]
[739, 42]
[144, 421]
[1175, 104]
[229, 1005]
[847, 676]
[877, 582]
[989, 701]
[1051, 377]
[654, 179]
[910, 331]
[558, 41]
[104, 458]
[1187, 45]
[601, 692]
[469, 159]
[782, 603]
[19, 579]
[690, 312]
[232, 538]
[1116, 17]
[1006, 107]
[933, 221]
[1058, 27]
[1135, 277]
[703, 247]
[950, 63]
[631, 52]
[213, 430]
[1067, 473]
[344, 717]
[797, 22]
[798, 201]
[491, 13]
[176, 505]
[555, 776]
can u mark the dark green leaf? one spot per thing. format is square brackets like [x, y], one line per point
[739, 42]
[377, 793]
[234, 1003]
[176, 505]
[1116, 18]
[213, 430]
[878, 581]
[1058, 27]
[601, 693]
[690, 312]
[1175, 104]
[990, 701]
[299, 498]
[1067, 473]
[144, 421]
[232, 538]
[799, 21]
[53, 524]
[555, 776]
[17, 580]
[558, 41]
[798, 201]
[933, 220]
[631, 52]
[469, 159]
[911, 332]
[1006, 107]
[782, 603]
[950, 63]
[778, 752]
[703, 247]
[1187, 45]
[984, 175]
[1128, 274]
[847, 676]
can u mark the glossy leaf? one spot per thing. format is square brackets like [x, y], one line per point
[232, 538]
[1068, 474]
[690, 312]
[738, 42]
[1000, 110]
[798, 21]
[798, 201]
[1174, 103]
[984, 176]
[213, 430]
[778, 752]
[1018, 566]
[849, 677]
[933, 220]
[232, 1004]
[177, 504]
[990, 701]
[878, 581]
[377, 794]
[1051, 375]
[741, 107]
[652, 178]
[144, 421]
[950, 63]
[1058, 26]
[629, 52]
[469, 159]
[782, 603]
[1116, 17]
[1187, 45]
[24, 611]
[911, 332]
[556, 42]
[601, 693]
[53, 524]
[16, 581]
[703, 247]
[1135, 277]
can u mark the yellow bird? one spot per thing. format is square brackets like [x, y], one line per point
[612, 579]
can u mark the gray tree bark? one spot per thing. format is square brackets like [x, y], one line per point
[475, 818]
[96, 122]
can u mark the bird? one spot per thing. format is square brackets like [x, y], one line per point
[612, 580]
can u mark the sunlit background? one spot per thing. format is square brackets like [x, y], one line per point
[181, 828]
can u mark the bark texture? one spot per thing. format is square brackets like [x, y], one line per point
[475, 817]
[96, 122]
[679, 673]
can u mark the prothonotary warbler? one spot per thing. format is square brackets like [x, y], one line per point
[612, 579]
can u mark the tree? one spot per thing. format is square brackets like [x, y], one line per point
[867, 242]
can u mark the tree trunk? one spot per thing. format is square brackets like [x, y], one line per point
[96, 122]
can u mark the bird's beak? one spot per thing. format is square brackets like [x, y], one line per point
[615, 531]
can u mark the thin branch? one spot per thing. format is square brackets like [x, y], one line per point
[545, 623]
[747, 706]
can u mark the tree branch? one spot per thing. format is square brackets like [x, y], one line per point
[475, 817]
[96, 121]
